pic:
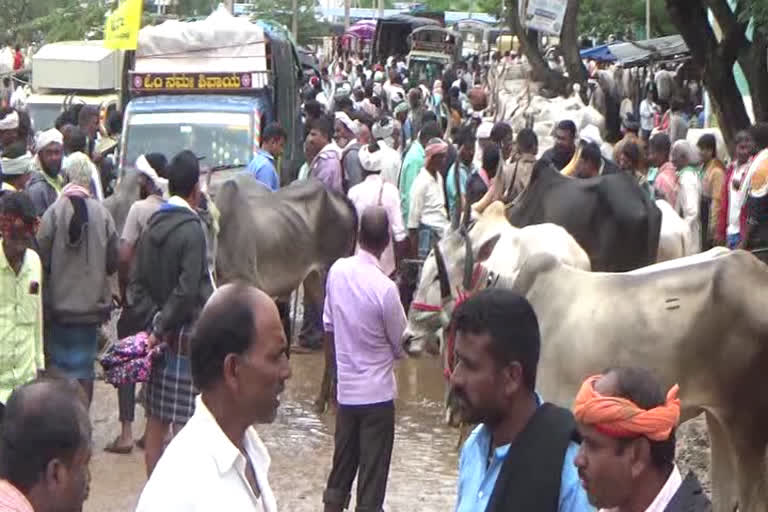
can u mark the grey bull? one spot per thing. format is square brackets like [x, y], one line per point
[273, 240]
[694, 322]
[277, 240]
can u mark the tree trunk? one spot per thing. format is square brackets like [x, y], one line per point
[754, 63]
[539, 66]
[714, 59]
[569, 43]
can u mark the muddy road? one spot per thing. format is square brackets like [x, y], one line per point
[424, 461]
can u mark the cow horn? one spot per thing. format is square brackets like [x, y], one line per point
[469, 262]
[442, 274]
[467, 216]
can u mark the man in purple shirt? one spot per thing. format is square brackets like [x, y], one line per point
[326, 166]
[364, 322]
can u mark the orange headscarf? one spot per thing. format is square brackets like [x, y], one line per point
[620, 418]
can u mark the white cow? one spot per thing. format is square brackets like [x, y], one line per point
[502, 248]
[674, 239]
[698, 321]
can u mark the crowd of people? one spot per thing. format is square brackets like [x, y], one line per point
[410, 158]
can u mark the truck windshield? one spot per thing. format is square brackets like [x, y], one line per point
[223, 138]
[43, 115]
[425, 71]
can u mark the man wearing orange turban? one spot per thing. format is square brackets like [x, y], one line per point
[627, 457]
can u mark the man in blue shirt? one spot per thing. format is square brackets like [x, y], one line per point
[262, 167]
[521, 455]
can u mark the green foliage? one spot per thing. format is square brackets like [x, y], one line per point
[309, 26]
[194, 8]
[26, 21]
[601, 18]
[757, 11]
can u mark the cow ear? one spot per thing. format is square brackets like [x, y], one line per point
[487, 248]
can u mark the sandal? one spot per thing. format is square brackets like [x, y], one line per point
[113, 447]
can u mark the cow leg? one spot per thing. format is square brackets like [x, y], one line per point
[314, 292]
[722, 468]
[749, 442]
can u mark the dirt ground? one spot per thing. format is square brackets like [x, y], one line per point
[424, 463]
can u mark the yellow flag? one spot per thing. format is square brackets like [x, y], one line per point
[122, 29]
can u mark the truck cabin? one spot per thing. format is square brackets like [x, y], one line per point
[227, 80]
[433, 49]
[70, 73]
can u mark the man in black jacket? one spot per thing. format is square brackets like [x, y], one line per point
[520, 457]
[171, 283]
[627, 457]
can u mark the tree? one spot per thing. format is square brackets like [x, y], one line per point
[601, 18]
[715, 52]
[51, 20]
[280, 12]
[529, 45]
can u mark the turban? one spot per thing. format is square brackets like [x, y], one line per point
[10, 122]
[371, 162]
[383, 131]
[48, 137]
[591, 133]
[622, 418]
[378, 76]
[144, 167]
[435, 147]
[348, 123]
[17, 166]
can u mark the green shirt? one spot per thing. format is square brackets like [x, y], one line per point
[21, 322]
[412, 164]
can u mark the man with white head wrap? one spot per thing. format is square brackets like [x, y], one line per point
[375, 191]
[9, 128]
[427, 215]
[151, 187]
[345, 136]
[383, 133]
[17, 167]
[46, 182]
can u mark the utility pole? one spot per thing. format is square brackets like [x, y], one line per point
[381, 9]
[346, 14]
[295, 20]
[647, 19]
[230, 5]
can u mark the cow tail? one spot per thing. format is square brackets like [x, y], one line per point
[355, 222]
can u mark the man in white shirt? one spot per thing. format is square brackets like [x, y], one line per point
[375, 191]
[627, 457]
[648, 110]
[384, 132]
[427, 215]
[239, 362]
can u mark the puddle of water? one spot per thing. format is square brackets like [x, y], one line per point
[424, 460]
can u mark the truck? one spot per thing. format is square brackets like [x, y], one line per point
[73, 72]
[211, 86]
[433, 50]
[391, 36]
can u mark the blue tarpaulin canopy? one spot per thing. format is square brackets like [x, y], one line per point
[600, 53]
[638, 53]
